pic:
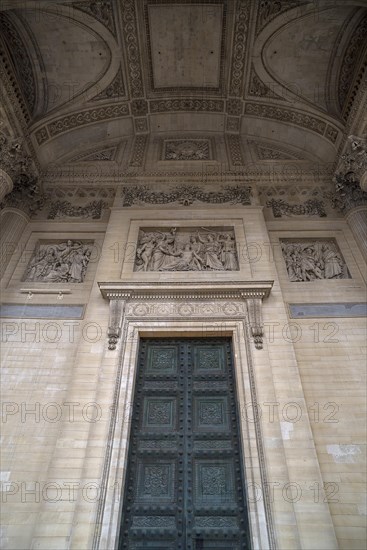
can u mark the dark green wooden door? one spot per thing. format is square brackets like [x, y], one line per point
[184, 485]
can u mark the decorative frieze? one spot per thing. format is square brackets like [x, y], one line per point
[311, 207]
[313, 260]
[186, 195]
[59, 262]
[186, 249]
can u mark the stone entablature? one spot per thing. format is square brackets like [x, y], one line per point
[225, 300]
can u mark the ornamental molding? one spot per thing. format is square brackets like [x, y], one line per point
[81, 118]
[240, 39]
[353, 55]
[188, 104]
[225, 295]
[138, 152]
[295, 117]
[21, 62]
[132, 51]
[235, 149]
[185, 195]
[273, 174]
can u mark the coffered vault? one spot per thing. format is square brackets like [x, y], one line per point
[107, 82]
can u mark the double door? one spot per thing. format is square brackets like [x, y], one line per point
[184, 487]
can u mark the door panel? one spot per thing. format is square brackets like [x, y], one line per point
[184, 483]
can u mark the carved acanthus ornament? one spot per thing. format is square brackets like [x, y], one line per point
[26, 195]
[222, 301]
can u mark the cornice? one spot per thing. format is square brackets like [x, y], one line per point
[187, 291]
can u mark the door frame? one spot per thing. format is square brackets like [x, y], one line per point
[111, 500]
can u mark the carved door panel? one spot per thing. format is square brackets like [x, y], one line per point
[184, 484]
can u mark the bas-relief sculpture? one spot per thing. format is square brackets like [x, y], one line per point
[195, 149]
[202, 249]
[59, 263]
[309, 261]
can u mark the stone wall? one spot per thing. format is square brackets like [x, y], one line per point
[63, 385]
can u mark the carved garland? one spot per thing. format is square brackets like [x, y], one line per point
[311, 207]
[186, 195]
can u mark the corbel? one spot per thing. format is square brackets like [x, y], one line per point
[117, 309]
[254, 310]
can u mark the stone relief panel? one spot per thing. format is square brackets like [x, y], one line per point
[62, 262]
[313, 260]
[186, 149]
[186, 249]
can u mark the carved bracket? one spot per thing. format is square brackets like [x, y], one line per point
[255, 319]
[117, 308]
[120, 293]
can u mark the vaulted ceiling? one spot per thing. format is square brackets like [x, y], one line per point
[116, 82]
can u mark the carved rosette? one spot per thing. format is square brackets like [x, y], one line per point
[135, 299]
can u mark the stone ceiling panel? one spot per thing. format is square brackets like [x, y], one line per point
[185, 45]
[298, 55]
[74, 56]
